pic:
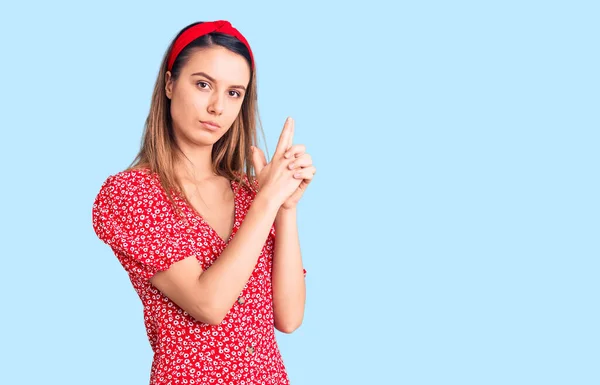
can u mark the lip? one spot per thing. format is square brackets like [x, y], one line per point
[210, 125]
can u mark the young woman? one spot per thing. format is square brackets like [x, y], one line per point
[203, 225]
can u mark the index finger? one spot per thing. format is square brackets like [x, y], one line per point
[286, 137]
[291, 137]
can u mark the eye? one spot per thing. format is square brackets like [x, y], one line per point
[202, 84]
[235, 94]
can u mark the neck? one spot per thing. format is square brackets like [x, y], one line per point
[195, 164]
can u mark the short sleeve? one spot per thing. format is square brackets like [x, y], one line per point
[132, 215]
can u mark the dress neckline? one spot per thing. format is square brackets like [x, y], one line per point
[211, 230]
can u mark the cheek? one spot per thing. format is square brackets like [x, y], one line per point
[198, 102]
[185, 107]
[234, 110]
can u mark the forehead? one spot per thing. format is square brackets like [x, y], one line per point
[220, 63]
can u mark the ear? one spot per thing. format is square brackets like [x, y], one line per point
[168, 85]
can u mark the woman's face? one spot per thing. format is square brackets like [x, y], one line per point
[210, 88]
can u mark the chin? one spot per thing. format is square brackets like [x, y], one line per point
[207, 138]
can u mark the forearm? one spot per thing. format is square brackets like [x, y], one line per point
[225, 279]
[289, 288]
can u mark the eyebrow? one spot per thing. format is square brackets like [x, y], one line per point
[213, 79]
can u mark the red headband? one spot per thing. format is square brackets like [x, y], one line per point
[192, 33]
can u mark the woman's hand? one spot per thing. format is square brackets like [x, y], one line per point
[304, 170]
[295, 159]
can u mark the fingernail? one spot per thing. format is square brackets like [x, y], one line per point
[297, 175]
[287, 155]
[291, 166]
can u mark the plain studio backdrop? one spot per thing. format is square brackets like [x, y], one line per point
[450, 235]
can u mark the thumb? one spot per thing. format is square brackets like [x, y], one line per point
[258, 159]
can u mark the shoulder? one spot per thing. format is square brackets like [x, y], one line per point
[130, 182]
[130, 200]
[130, 188]
[128, 191]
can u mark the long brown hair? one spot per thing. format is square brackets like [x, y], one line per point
[231, 155]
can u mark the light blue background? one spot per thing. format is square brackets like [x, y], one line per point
[451, 233]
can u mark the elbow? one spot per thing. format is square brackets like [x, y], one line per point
[287, 323]
[288, 328]
[211, 319]
[214, 321]
[208, 314]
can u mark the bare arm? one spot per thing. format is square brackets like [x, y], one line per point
[208, 296]
[289, 288]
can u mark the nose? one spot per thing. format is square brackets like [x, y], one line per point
[216, 104]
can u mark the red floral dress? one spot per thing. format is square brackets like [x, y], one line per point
[133, 216]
